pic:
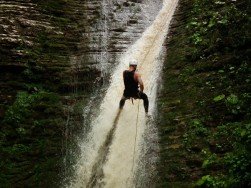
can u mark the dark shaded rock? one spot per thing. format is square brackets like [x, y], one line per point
[132, 21]
[2, 111]
[196, 148]
[119, 29]
[136, 1]
[126, 4]
[193, 163]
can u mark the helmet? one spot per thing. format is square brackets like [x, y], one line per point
[133, 63]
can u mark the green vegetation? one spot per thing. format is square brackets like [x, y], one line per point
[206, 134]
[31, 129]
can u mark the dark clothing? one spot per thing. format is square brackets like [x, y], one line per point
[140, 95]
[131, 86]
[132, 91]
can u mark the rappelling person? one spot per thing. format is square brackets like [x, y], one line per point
[133, 86]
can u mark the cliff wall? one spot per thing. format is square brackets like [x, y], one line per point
[55, 56]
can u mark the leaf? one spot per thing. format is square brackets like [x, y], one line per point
[205, 163]
[232, 99]
[219, 2]
[203, 180]
[243, 133]
[219, 98]
[194, 23]
[211, 23]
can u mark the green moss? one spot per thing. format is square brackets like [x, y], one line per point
[206, 72]
[31, 128]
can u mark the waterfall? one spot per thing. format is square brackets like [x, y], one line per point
[107, 152]
[104, 39]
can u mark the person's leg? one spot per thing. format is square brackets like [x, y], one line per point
[122, 102]
[145, 99]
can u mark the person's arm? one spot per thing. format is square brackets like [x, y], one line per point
[124, 74]
[141, 85]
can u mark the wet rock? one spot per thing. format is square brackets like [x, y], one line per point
[126, 4]
[119, 29]
[196, 148]
[193, 163]
[133, 21]
[175, 146]
[136, 1]
[173, 137]
[65, 50]
[2, 112]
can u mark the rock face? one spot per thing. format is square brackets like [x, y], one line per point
[205, 69]
[53, 55]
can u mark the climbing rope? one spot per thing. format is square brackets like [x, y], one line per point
[134, 149]
[137, 121]
[135, 139]
[136, 134]
[139, 102]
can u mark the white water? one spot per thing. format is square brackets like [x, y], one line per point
[117, 170]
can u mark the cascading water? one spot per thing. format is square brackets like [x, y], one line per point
[108, 156]
[104, 39]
